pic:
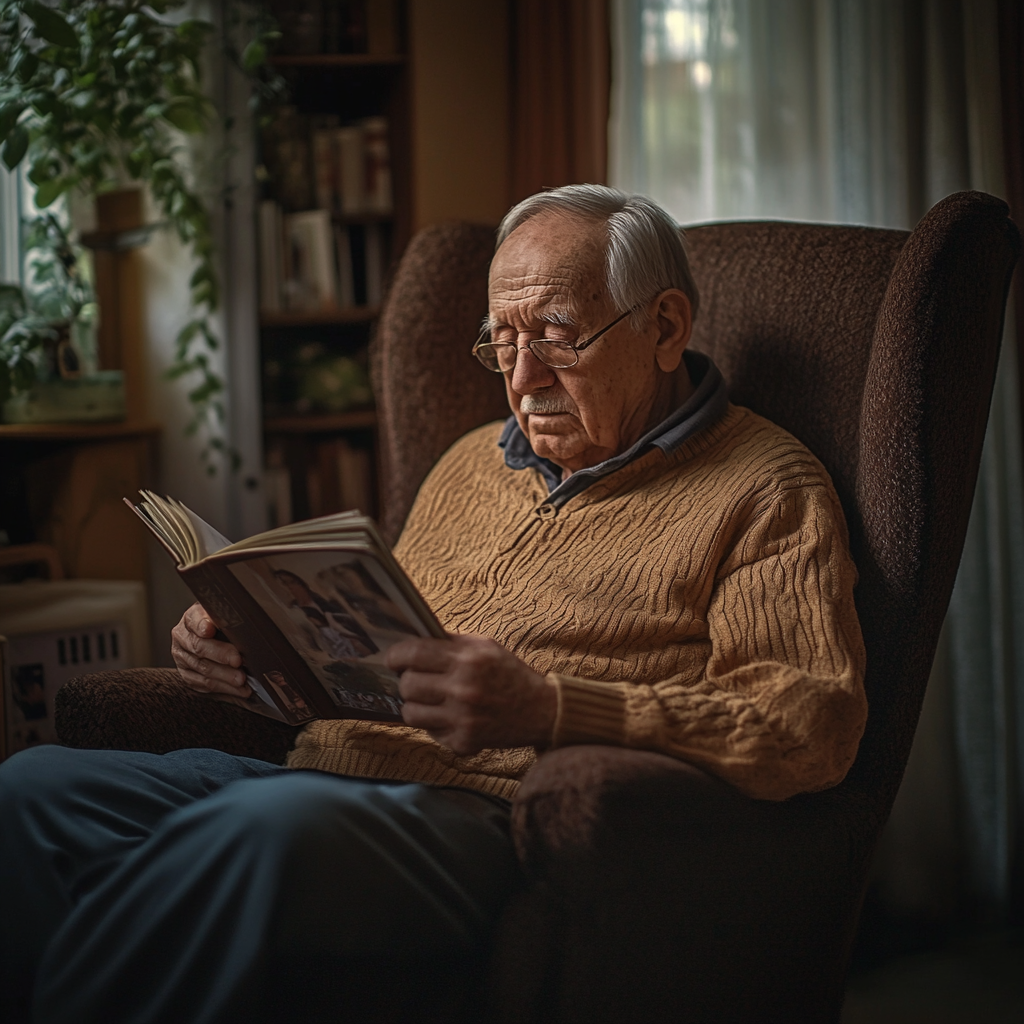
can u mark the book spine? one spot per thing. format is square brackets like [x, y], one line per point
[324, 169]
[351, 163]
[374, 264]
[343, 253]
[354, 479]
[264, 650]
[377, 155]
[324, 268]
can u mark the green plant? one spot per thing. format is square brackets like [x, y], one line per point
[94, 89]
[58, 293]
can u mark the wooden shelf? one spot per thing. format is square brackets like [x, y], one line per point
[337, 60]
[323, 423]
[313, 318]
[362, 218]
[75, 431]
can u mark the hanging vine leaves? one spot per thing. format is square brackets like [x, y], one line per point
[93, 88]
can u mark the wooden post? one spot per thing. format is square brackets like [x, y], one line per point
[118, 291]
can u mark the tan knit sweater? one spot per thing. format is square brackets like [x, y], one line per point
[698, 603]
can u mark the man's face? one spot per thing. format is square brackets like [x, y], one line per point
[551, 269]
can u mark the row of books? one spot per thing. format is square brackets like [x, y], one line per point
[336, 26]
[338, 478]
[310, 263]
[352, 168]
[314, 160]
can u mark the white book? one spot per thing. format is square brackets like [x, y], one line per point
[351, 169]
[271, 275]
[312, 245]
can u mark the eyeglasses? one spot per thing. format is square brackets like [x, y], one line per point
[500, 356]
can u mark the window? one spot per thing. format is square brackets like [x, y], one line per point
[10, 226]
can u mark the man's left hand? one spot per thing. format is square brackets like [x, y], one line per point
[469, 693]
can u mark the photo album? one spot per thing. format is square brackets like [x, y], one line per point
[312, 606]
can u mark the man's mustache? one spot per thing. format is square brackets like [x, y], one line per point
[545, 405]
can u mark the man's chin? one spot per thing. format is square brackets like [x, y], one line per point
[554, 444]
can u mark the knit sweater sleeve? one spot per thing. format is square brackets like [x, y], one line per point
[779, 708]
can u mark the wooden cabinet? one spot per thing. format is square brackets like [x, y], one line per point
[63, 484]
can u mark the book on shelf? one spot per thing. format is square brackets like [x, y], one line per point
[277, 486]
[312, 607]
[314, 161]
[336, 26]
[339, 478]
[346, 274]
[312, 284]
[309, 263]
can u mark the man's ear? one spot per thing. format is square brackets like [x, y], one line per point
[674, 318]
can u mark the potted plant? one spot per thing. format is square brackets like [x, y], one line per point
[93, 92]
[47, 338]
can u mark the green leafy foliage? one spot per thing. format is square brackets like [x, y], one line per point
[59, 294]
[94, 89]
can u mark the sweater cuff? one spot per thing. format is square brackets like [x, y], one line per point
[588, 712]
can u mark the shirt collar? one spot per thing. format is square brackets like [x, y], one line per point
[706, 405]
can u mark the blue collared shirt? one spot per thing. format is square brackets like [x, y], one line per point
[706, 405]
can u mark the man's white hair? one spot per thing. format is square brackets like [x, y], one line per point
[644, 254]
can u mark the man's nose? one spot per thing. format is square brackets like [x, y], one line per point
[530, 374]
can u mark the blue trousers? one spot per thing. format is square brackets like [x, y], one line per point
[201, 887]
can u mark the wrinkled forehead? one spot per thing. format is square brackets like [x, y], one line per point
[550, 259]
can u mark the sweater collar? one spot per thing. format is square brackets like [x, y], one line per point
[706, 405]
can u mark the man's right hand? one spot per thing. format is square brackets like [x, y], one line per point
[206, 664]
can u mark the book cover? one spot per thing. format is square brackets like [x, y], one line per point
[312, 606]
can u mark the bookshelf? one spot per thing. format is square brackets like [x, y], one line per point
[320, 430]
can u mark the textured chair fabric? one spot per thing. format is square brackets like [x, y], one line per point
[655, 892]
[151, 709]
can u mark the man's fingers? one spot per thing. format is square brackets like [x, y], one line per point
[199, 622]
[218, 651]
[431, 717]
[205, 684]
[422, 654]
[204, 668]
[421, 687]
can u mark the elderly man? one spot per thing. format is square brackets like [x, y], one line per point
[628, 560]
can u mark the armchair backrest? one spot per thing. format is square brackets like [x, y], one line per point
[875, 348]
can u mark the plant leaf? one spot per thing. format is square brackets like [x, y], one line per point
[27, 66]
[50, 24]
[15, 146]
[254, 55]
[49, 191]
[184, 115]
[9, 114]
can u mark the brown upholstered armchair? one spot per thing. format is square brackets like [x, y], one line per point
[654, 892]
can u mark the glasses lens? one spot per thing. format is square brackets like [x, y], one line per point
[555, 353]
[498, 358]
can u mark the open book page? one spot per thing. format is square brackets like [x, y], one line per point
[163, 521]
[259, 700]
[340, 611]
[208, 540]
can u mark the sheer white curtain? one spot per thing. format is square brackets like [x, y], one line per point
[867, 112]
[10, 229]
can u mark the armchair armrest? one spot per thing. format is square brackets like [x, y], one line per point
[151, 709]
[653, 887]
